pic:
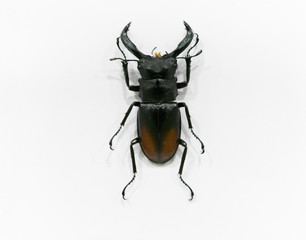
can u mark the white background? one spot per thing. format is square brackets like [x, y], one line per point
[61, 99]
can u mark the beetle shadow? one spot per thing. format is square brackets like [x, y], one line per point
[129, 96]
[192, 92]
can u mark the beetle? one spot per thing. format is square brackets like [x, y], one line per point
[158, 116]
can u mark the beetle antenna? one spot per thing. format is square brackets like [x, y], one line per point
[202, 144]
[123, 191]
[111, 141]
[153, 50]
[122, 59]
[191, 192]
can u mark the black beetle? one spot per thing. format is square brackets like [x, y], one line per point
[158, 118]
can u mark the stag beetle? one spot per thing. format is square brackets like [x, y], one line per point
[158, 117]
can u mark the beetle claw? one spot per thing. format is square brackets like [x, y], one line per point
[111, 144]
[203, 149]
[111, 141]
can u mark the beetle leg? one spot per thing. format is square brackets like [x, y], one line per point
[124, 62]
[188, 64]
[118, 45]
[137, 104]
[196, 42]
[182, 104]
[184, 144]
[134, 88]
[133, 142]
[188, 67]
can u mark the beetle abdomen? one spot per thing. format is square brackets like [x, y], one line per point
[159, 128]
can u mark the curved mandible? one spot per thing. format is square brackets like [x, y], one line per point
[184, 43]
[129, 44]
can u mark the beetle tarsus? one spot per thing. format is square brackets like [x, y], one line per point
[197, 40]
[191, 192]
[111, 141]
[123, 191]
[122, 59]
[188, 57]
[118, 45]
[202, 144]
[197, 54]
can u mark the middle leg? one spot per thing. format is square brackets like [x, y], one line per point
[182, 104]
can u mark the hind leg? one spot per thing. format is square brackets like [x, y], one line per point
[184, 144]
[133, 142]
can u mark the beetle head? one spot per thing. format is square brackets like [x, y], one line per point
[134, 50]
[157, 66]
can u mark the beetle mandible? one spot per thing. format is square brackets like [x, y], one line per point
[158, 117]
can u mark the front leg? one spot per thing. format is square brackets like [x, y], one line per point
[188, 64]
[126, 76]
[124, 62]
